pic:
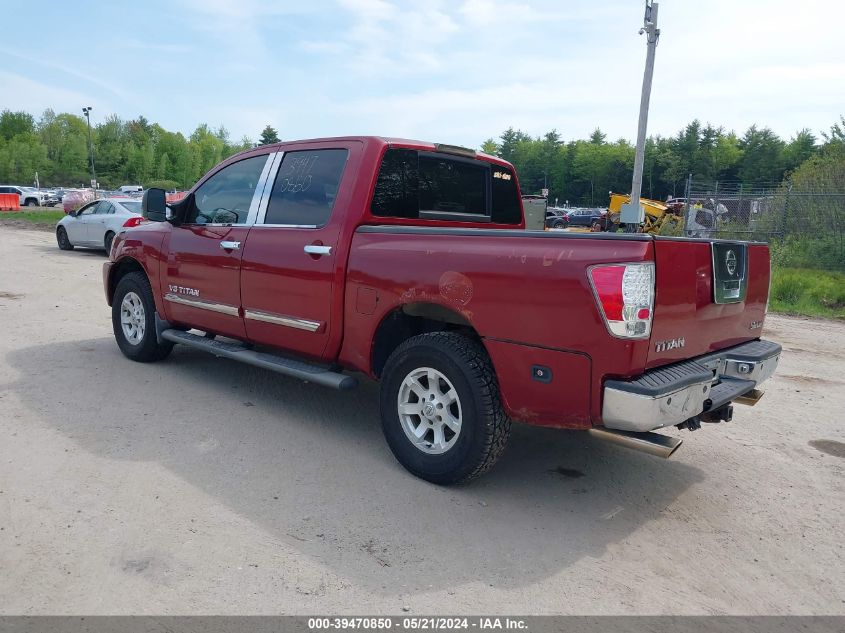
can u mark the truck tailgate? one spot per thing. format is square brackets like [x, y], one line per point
[698, 310]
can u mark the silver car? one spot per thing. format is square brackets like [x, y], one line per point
[96, 224]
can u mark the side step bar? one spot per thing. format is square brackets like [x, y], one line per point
[290, 367]
[651, 443]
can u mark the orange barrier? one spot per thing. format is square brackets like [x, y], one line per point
[175, 197]
[10, 202]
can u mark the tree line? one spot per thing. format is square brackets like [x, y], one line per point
[55, 146]
[580, 172]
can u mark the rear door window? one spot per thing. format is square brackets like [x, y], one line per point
[305, 188]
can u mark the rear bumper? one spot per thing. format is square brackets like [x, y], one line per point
[675, 393]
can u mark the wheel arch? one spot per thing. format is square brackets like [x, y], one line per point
[410, 319]
[119, 270]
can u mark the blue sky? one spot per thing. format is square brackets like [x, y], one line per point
[456, 72]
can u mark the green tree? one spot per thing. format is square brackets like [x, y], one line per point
[800, 148]
[762, 156]
[490, 147]
[14, 123]
[269, 136]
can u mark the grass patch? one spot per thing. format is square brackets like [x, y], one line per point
[808, 292]
[42, 217]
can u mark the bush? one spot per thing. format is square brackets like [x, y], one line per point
[808, 251]
[808, 292]
[167, 185]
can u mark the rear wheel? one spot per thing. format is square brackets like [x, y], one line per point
[440, 408]
[62, 239]
[107, 242]
[559, 224]
[133, 320]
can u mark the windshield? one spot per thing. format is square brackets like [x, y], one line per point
[132, 206]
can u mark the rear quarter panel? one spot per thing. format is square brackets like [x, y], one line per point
[525, 293]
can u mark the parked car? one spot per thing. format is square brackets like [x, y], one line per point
[556, 218]
[126, 189]
[29, 196]
[74, 199]
[584, 217]
[408, 262]
[51, 198]
[95, 224]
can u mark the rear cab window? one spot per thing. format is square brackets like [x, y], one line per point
[425, 185]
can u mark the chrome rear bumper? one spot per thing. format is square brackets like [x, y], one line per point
[675, 393]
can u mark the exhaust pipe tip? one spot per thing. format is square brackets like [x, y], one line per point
[647, 442]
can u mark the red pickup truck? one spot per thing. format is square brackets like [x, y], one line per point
[409, 263]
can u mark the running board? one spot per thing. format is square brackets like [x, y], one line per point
[288, 366]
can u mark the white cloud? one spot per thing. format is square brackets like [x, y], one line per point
[108, 86]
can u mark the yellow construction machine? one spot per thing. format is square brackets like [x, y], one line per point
[664, 218]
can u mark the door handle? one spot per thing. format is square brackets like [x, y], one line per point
[314, 249]
[227, 245]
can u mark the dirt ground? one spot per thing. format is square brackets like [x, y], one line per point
[198, 485]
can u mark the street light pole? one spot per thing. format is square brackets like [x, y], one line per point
[87, 112]
[632, 214]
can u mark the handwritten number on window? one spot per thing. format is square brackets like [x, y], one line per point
[296, 177]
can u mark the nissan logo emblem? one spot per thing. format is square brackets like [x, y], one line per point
[730, 262]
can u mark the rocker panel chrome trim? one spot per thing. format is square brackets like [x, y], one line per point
[222, 308]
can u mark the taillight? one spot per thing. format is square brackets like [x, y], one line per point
[625, 294]
[132, 222]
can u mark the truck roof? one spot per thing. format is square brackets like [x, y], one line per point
[379, 140]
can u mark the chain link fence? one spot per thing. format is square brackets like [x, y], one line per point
[806, 229]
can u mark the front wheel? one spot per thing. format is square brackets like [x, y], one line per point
[133, 320]
[32, 202]
[63, 240]
[440, 408]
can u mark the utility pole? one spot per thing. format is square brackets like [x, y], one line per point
[87, 112]
[632, 214]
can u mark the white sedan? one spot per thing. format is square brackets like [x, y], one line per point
[96, 224]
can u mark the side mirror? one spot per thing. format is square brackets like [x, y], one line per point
[154, 205]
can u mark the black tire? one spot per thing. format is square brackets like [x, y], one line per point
[147, 349]
[484, 428]
[107, 242]
[62, 239]
[31, 202]
[559, 224]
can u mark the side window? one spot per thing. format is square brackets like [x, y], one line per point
[432, 186]
[225, 197]
[88, 209]
[396, 193]
[306, 187]
[452, 187]
[104, 208]
[506, 203]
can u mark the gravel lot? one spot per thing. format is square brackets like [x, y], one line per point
[201, 486]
